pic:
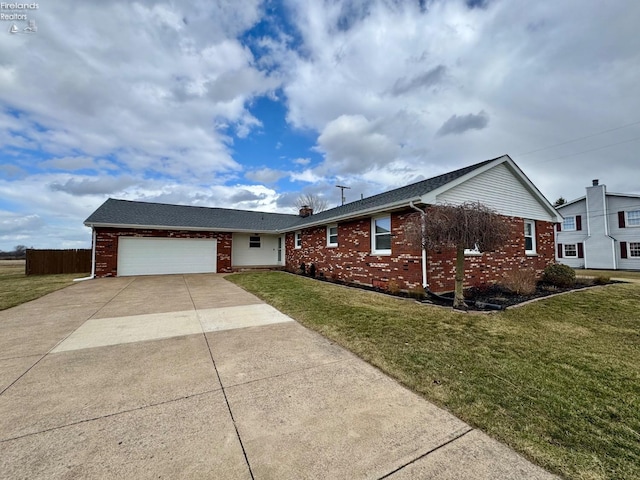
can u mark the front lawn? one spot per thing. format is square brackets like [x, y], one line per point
[558, 380]
[17, 288]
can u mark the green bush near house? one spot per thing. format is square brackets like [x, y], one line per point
[559, 275]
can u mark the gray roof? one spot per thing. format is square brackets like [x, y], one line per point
[143, 214]
[406, 193]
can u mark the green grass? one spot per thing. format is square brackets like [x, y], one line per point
[580, 272]
[558, 380]
[17, 288]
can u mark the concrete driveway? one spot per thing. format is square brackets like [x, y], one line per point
[189, 376]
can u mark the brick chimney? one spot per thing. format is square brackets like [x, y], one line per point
[305, 211]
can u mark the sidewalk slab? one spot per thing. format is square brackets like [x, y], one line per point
[80, 385]
[12, 368]
[190, 438]
[341, 420]
[476, 456]
[251, 354]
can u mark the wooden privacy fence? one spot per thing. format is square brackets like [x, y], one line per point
[45, 262]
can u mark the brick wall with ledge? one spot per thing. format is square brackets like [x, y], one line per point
[352, 260]
[107, 246]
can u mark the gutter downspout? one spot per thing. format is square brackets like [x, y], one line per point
[425, 283]
[93, 258]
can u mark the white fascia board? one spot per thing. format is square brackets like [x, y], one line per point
[352, 216]
[176, 227]
[431, 197]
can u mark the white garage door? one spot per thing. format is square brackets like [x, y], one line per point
[154, 256]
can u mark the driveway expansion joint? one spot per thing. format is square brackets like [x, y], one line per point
[110, 415]
[456, 436]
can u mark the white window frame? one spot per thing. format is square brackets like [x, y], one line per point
[629, 255]
[566, 254]
[475, 251]
[297, 239]
[531, 251]
[564, 224]
[632, 222]
[374, 236]
[253, 243]
[329, 235]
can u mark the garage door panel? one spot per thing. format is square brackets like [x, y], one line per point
[156, 256]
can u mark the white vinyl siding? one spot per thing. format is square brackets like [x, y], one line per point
[500, 190]
[245, 255]
[158, 256]
[381, 235]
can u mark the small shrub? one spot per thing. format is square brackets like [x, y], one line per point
[520, 281]
[393, 287]
[417, 293]
[601, 280]
[303, 268]
[312, 270]
[559, 275]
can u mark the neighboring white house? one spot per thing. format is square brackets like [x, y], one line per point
[600, 230]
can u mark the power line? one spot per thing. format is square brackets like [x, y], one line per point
[579, 138]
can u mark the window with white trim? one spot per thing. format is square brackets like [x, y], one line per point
[570, 250]
[298, 240]
[254, 242]
[530, 236]
[332, 236]
[381, 235]
[634, 249]
[633, 218]
[569, 223]
[473, 251]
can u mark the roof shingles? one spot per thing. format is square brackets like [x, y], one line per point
[144, 214]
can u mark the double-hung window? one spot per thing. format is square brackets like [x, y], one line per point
[569, 224]
[332, 236]
[530, 237]
[570, 250]
[633, 218]
[381, 235]
[634, 249]
[298, 240]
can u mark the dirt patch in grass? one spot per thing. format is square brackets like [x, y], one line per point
[557, 380]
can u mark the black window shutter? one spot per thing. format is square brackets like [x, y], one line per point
[623, 249]
[621, 219]
[558, 227]
[580, 250]
[559, 250]
[578, 222]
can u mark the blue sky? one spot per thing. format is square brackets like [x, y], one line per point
[249, 103]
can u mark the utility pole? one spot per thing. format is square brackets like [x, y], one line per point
[342, 188]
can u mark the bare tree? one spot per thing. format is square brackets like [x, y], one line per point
[470, 225]
[317, 203]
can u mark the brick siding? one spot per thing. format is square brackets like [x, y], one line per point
[107, 246]
[352, 261]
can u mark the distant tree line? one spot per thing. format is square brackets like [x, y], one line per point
[18, 252]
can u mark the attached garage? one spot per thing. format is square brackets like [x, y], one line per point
[157, 256]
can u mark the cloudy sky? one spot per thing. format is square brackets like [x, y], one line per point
[248, 103]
